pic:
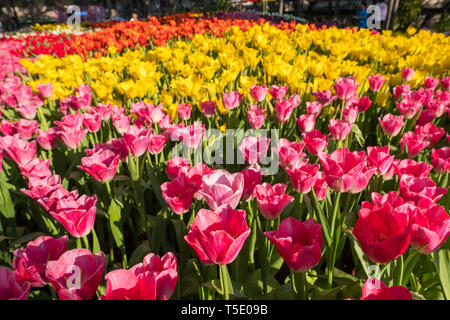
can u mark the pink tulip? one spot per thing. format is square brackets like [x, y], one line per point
[408, 108]
[184, 111]
[218, 236]
[45, 89]
[252, 177]
[313, 108]
[441, 159]
[231, 100]
[28, 111]
[299, 243]
[376, 82]
[208, 108]
[431, 83]
[26, 128]
[320, 186]
[156, 143]
[401, 91]
[306, 122]
[121, 123]
[71, 137]
[391, 125]
[272, 200]
[429, 227]
[422, 191]
[137, 140]
[362, 103]
[289, 152]
[407, 74]
[431, 133]
[258, 92]
[379, 158]
[21, 151]
[254, 149]
[325, 98]
[339, 129]
[294, 100]
[345, 88]
[414, 143]
[256, 116]
[9, 288]
[315, 141]
[425, 117]
[46, 139]
[92, 121]
[411, 167]
[76, 274]
[192, 135]
[194, 176]
[222, 188]
[102, 165]
[175, 167]
[278, 93]
[445, 82]
[375, 289]
[435, 108]
[177, 194]
[36, 168]
[303, 176]
[123, 284]
[30, 263]
[283, 110]
[8, 128]
[42, 188]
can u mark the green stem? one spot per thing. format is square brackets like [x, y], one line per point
[299, 284]
[224, 281]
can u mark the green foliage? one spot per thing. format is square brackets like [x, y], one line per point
[407, 14]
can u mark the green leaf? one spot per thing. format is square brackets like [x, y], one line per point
[442, 262]
[139, 253]
[6, 204]
[116, 224]
[27, 238]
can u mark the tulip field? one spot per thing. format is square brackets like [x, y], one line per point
[194, 157]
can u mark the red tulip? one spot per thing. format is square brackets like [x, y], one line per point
[177, 194]
[123, 284]
[375, 289]
[379, 158]
[299, 243]
[9, 288]
[303, 175]
[422, 191]
[252, 177]
[415, 143]
[431, 83]
[429, 132]
[313, 108]
[218, 236]
[289, 152]
[76, 274]
[441, 159]
[208, 108]
[30, 263]
[411, 167]
[315, 141]
[272, 199]
[175, 167]
[324, 97]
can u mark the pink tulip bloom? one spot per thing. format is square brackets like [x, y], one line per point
[350, 114]
[76, 274]
[194, 176]
[306, 122]
[445, 82]
[192, 135]
[36, 168]
[252, 177]
[346, 88]
[45, 89]
[314, 108]
[315, 141]
[278, 93]
[391, 125]
[254, 149]
[374, 289]
[298, 243]
[339, 129]
[376, 82]
[123, 284]
[401, 91]
[342, 168]
[295, 100]
[28, 111]
[431, 83]
[425, 117]
[102, 165]
[411, 167]
[208, 108]
[379, 158]
[256, 116]
[435, 108]
[137, 140]
[283, 110]
[441, 159]
[362, 103]
[258, 92]
[21, 151]
[363, 180]
[431, 133]
[303, 176]
[184, 111]
[222, 188]
[42, 188]
[92, 121]
[289, 152]
[30, 263]
[177, 194]
[272, 200]
[8, 128]
[325, 98]
[422, 191]
[121, 123]
[26, 128]
[71, 137]
[231, 100]
[414, 143]
[156, 143]
[9, 288]
[46, 139]
[320, 186]
[408, 108]
[175, 167]
[218, 236]
[407, 74]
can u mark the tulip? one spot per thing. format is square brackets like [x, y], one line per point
[374, 289]
[380, 158]
[175, 166]
[46, 139]
[303, 176]
[254, 149]
[9, 288]
[430, 133]
[156, 143]
[431, 83]
[8, 128]
[36, 168]
[313, 108]
[102, 165]
[177, 194]
[42, 188]
[299, 243]
[222, 188]
[194, 176]
[231, 100]
[362, 104]
[339, 129]
[121, 123]
[445, 82]
[218, 236]
[92, 122]
[414, 143]
[325, 98]
[350, 114]
[407, 74]
[408, 108]
[289, 152]
[252, 177]
[376, 82]
[184, 111]
[294, 100]
[192, 135]
[258, 92]
[123, 284]
[76, 274]
[137, 140]
[71, 137]
[272, 200]
[45, 89]
[21, 151]
[283, 110]
[411, 167]
[402, 90]
[306, 122]
[382, 232]
[315, 141]
[30, 263]
[441, 159]
[425, 117]
[346, 88]
[320, 186]
[208, 108]
[391, 125]
[422, 191]
[278, 93]
[256, 116]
